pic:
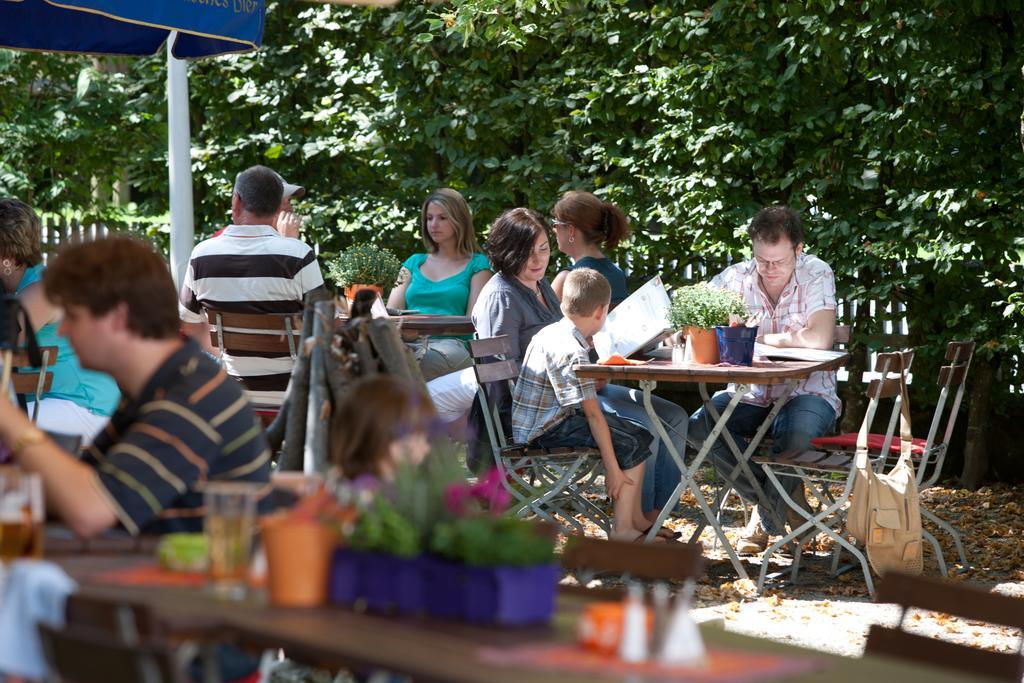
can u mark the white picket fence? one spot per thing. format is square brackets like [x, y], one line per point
[57, 232]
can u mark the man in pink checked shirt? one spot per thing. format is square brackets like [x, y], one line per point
[792, 295]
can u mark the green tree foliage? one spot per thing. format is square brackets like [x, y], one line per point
[893, 127]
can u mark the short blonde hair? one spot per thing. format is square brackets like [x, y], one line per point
[584, 291]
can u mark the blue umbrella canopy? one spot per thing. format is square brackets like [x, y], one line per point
[132, 27]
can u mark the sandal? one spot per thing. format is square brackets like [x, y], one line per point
[642, 538]
[664, 532]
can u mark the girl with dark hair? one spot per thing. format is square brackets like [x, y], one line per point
[445, 280]
[79, 401]
[379, 424]
[584, 225]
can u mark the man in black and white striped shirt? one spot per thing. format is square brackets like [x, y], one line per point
[250, 268]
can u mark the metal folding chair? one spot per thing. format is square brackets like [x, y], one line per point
[25, 380]
[110, 642]
[822, 470]
[588, 557]
[840, 340]
[949, 598]
[268, 335]
[551, 483]
[929, 453]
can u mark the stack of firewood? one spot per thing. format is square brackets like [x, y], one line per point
[334, 352]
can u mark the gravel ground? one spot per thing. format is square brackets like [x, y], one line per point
[834, 614]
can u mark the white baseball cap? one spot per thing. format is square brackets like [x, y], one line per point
[290, 190]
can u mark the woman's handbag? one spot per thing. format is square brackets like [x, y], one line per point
[885, 513]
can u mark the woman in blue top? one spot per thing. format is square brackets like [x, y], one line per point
[583, 226]
[79, 401]
[444, 281]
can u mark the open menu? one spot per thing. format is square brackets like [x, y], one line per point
[779, 353]
[636, 323]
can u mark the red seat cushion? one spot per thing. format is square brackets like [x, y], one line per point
[875, 441]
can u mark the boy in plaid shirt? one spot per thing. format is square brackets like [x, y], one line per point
[552, 407]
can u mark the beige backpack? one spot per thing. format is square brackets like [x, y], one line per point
[885, 513]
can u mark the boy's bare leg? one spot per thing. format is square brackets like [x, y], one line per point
[628, 523]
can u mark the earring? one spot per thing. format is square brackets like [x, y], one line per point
[572, 238]
[8, 266]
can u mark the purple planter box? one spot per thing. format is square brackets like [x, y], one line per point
[736, 344]
[345, 575]
[388, 582]
[510, 596]
[409, 587]
[446, 595]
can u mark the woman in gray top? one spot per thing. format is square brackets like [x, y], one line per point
[518, 302]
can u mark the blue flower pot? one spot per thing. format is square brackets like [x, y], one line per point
[445, 597]
[410, 587]
[736, 344]
[345, 576]
[510, 596]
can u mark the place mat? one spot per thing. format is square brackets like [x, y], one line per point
[151, 574]
[722, 666]
[619, 359]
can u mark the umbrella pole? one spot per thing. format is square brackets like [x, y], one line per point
[179, 162]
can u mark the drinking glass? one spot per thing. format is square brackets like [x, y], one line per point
[21, 514]
[229, 527]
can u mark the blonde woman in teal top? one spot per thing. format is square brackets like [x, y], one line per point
[79, 401]
[446, 280]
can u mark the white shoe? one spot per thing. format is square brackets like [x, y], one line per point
[755, 538]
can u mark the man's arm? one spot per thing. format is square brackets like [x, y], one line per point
[69, 485]
[287, 224]
[817, 334]
[614, 477]
[201, 333]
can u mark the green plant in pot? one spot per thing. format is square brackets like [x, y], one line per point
[696, 310]
[363, 266]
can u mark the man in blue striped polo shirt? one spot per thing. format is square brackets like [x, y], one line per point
[181, 422]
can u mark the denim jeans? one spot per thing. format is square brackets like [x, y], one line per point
[801, 419]
[631, 441]
[662, 475]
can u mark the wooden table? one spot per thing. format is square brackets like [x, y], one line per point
[785, 373]
[415, 326]
[424, 649]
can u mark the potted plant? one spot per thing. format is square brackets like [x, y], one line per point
[509, 576]
[298, 544]
[696, 310]
[364, 266]
[384, 564]
[389, 570]
[503, 567]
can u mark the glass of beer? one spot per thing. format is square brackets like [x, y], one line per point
[229, 528]
[21, 514]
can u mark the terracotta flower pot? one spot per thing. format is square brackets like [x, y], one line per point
[703, 345]
[350, 291]
[298, 559]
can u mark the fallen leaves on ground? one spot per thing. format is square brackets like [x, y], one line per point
[834, 613]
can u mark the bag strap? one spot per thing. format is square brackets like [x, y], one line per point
[861, 457]
[906, 440]
[16, 321]
[35, 357]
